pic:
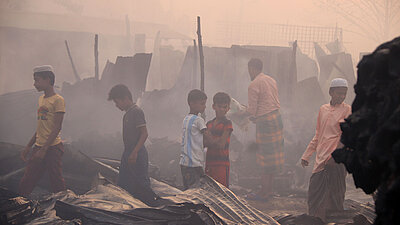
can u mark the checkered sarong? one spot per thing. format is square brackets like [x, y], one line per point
[269, 129]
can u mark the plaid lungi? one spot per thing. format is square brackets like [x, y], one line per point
[269, 130]
[327, 190]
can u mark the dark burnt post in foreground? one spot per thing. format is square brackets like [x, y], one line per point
[371, 134]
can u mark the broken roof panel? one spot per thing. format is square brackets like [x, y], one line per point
[130, 70]
[208, 203]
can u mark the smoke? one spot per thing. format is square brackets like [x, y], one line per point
[33, 33]
[19, 50]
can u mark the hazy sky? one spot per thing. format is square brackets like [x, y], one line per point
[181, 14]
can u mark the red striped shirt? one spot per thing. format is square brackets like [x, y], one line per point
[214, 155]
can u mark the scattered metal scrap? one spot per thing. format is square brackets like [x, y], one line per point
[101, 201]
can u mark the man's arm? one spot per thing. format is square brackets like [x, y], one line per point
[252, 100]
[312, 147]
[221, 141]
[142, 139]
[217, 142]
[32, 141]
[28, 147]
[207, 138]
[58, 119]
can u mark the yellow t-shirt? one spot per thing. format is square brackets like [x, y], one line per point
[47, 109]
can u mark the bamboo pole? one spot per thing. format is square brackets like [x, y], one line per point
[77, 78]
[201, 55]
[195, 63]
[200, 42]
[96, 56]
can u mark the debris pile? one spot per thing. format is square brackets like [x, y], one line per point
[15, 209]
[371, 135]
[98, 199]
[79, 170]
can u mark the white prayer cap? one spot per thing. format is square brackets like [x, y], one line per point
[339, 82]
[43, 68]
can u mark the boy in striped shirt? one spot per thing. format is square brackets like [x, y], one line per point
[192, 148]
[219, 130]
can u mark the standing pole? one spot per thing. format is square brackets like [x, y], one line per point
[96, 56]
[195, 63]
[292, 78]
[200, 42]
[77, 78]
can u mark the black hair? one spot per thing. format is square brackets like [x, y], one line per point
[222, 98]
[119, 91]
[46, 74]
[256, 64]
[196, 95]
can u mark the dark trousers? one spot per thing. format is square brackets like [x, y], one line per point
[134, 178]
[191, 175]
[35, 169]
[327, 190]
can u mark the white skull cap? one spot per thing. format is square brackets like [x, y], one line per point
[339, 82]
[43, 68]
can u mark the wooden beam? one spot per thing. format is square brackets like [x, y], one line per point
[96, 57]
[200, 42]
[195, 63]
[77, 78]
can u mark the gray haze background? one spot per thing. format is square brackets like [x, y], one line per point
[179, 16]
[29, 30]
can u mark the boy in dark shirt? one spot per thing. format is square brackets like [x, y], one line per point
[133, 172]
[218, 135]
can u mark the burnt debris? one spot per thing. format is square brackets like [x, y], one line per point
[371, 135]
[15, 209]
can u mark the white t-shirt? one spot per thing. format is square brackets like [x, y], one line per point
[192, 148]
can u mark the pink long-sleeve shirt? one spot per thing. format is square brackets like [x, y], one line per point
[327, 134]
[262, 95]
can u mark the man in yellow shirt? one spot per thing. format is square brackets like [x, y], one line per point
[47, 146]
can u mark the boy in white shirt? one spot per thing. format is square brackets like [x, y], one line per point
[192, 148]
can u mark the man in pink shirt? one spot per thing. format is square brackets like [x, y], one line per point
[264, 108]
[327, 183]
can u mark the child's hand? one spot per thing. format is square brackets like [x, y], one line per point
[304, 163]
[132, 157]
[25, 153]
